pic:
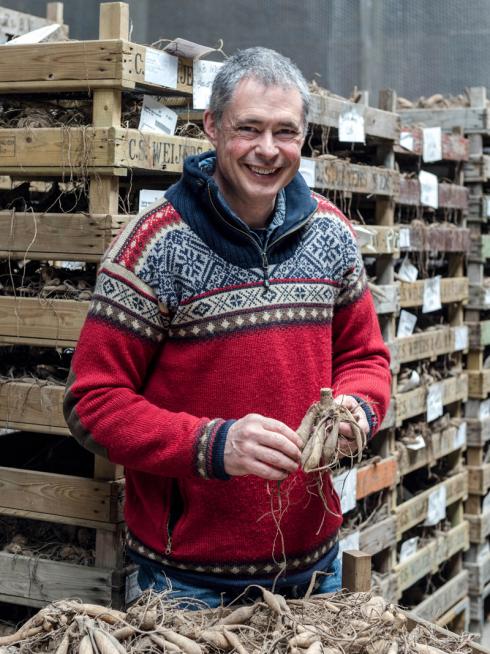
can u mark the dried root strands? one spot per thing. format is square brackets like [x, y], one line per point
[85, 646]
[319, 431]
[240, 615]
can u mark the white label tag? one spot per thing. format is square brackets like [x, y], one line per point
[36, 36]
[204, 74]
[429, 191]
[435, 407]
[486, 199]
[484, 550]
[460, 436]
[484, 410]
[5, 432]
[436, 508]
[307, 168]
[406, 140]
[407, 271]
[188, 49]
[406, 324]
[155, 117]
[432, 294]
[132, 589]
[408, 548]
[461, 338]
[346, 486]
[418, 443]
[161, 68]
[486, 505]
[486, 299]
[351, 127]
[364, 237]
[149, 197]
[350, 542]
[432, 150]
[404, 237]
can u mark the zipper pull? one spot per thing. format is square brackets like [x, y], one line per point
[168, 549]
[265, 266]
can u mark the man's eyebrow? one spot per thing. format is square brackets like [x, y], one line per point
[258, 121]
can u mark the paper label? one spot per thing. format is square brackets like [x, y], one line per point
[486, 505]
[351, 127]
[204, 74]
[71, 265]
[460, 437]
[429, 191]
[350, 542]
[132, 589]
[364, 237]
[418, 443]
[461, 337]
[406, 324]
[436, 508]
[149, 197]
[432, 294]
[484, 550]
[307, 168]
[404, 239]
[155, 117]
[484, 410]
[432, 137]
[346, 486]
[161, 68]
[36, 36]
[486, 199]
[435, 407]
[6, 432]
[188, 49]
[406, 140]
[487, 296]
[407, 271]
[408, 548]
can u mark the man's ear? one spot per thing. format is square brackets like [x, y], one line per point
[210, 127]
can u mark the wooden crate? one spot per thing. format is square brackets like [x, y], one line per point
[453, 289]
[479, 527]
[67, 237]
[478, 384]
[16, 23]
[442, 600]
[375, 476]
[472, 120]
[477, 169]
[382, 239]
[458, 614]
[454, 146]
[414, 511]
[378, 537]
[84, 66]
[442, 237]
[87, 150]
[414, 403]
[32, 406]
[425, 345]
[442, 443]
[479, 479]
[386, 298]
[480, 248]
[478, 575]
[451, 196]
[333, 174]
[479, 295]
[479, 334]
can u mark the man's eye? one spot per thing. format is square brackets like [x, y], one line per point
[287, 133]
[247, 129]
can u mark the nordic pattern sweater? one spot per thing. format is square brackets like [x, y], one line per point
[195, 324]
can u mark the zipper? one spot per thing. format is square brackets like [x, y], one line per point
[175, 512]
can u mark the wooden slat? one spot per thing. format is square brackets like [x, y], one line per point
[425, 345]
[479, 479]
[454, 146]
[333, 174]
[83, 65]
[478, 575]
[38, 494]
[479, 333]
[453, 289]
[479, 527]
[479, 295]
[326, 110]
[414, 511]
[386, 298]
[470, 119]
[441, 444]
[414, 403]
[441, 600]
[383, 239]
[443, 237]
[477, 431]
[376, 476]
[32, 406]
[451, 196]
[463, 606]
[478, 384]
[38, 321]
[477, 169]
[378, 537]
[76, 237]
[85, 150]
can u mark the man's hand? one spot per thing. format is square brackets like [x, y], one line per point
[347, 442]
[261, 446]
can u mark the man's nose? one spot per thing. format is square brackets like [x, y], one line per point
[266, 145]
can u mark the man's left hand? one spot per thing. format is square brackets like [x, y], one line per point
[347, 443]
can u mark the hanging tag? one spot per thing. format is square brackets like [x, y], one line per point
[351, 127]
[204, 74]
[307, 168]
[161, 68]
[432, 137]
[364, 237]
[132, 589]
[350, 542]
[486, 504]
[187, 49]
[148, 197]
[486, 299]
[155, 117]
[406, 140]
[418, 443]
[42, 34]
[408, 548]
[461, 338]
[404, 239]
[407, 271]
[436, 509]
[406, 324]
[429, 190]
[432, 294]
[460, 437]
[346, 487]
[435, 407]
[484, 410]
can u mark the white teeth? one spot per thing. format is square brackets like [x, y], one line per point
[263, 171]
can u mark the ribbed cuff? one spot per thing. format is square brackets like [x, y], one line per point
[370, 415]
[218, 451]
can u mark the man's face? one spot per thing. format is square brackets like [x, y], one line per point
[258, 143]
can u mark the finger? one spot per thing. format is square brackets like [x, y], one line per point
[346, 447]
[276, 441]
[279, 427]
[275, 459]
[264, 471]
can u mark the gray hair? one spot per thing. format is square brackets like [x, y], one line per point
[264, 65]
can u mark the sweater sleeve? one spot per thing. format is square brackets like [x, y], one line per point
[360, 357]
[104, 405]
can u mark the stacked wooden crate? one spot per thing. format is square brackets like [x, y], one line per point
[47, 481]
[348, 157]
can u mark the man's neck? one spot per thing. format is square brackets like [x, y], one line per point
[253, 214]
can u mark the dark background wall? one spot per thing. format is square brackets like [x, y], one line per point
[417, 47]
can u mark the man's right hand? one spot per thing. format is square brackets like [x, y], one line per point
[256, 445]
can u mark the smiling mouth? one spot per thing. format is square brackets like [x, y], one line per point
[262, 171]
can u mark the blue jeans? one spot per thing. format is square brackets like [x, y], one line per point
[150, 577]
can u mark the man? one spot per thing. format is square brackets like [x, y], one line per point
[217, 318]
